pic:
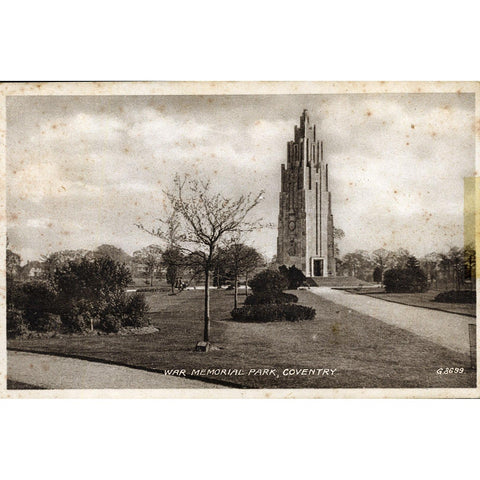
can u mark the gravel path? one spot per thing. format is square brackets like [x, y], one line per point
[446, 329]
[52, 372]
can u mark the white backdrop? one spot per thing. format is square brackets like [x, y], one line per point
[248, 40]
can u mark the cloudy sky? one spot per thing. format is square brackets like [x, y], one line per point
[82, 171]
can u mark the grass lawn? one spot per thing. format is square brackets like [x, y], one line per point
[421, 300]
[364, 351]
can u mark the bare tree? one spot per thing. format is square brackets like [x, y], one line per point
[199, 220]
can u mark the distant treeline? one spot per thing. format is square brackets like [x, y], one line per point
[453, 269]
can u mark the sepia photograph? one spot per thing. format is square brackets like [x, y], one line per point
[249, 239]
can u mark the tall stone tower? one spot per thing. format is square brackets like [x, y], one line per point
[305, 221]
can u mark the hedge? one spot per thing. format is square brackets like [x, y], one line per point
[278, 298]
[457, 296]
[273, 313]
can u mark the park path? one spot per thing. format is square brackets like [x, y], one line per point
[446, 329]
[52, 372]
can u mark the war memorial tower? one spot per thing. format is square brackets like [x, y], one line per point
[305, 221]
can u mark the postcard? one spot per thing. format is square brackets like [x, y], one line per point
[239, 239]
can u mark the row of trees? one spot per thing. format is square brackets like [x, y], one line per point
[232, 261]
[446, 270]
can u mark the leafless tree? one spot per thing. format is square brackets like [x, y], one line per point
[199, 220]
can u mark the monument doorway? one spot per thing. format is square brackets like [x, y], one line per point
[318, 267]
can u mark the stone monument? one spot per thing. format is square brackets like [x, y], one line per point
[305, 221]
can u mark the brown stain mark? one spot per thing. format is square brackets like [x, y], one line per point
[412, 126]
[477, 127]
[369, 113]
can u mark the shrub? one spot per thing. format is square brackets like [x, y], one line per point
[262, 299]
[15, 294]
[268, 282]
[293, 276]
[405, 280]
[457, 296]
[110, 323]
[78, 314]
[48, 322]
[38, 298]
[272, 313]
[76, 322]
[16, 323]
[91, 280]
[135, 310]
[129, 309]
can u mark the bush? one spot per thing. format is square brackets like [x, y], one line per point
[91, 280]
[48, 322]
[268, 282]
[110, 323]
[135, 310]
[262, 299]
[15, 294]
[16, 323]
[273, 313]
[76, 322]
[405, 280]
[293, 276]
[129, 309]
[457, 296]
[38, 299]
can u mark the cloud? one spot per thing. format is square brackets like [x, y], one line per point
[396, 163]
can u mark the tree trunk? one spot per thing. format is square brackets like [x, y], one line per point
[151, 280]
[206, 315]
[246, 284]
[235, 291]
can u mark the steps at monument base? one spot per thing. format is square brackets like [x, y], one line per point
[335, 282]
